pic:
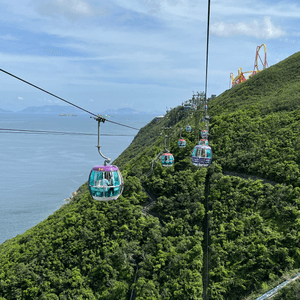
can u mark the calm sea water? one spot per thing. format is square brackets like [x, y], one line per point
[39, 171]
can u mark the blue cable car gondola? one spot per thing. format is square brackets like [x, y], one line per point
[167, 159]
[181, 143]
[202, 156]
[188, 128]
[105, 181]
[204, 134]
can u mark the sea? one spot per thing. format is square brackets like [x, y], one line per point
[38, 171]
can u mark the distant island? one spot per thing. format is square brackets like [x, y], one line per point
[67, 115]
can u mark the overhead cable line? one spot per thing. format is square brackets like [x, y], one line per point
[10, 74]
[206, 290]
[9, 130]
[207, 46]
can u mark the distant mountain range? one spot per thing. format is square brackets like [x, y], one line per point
[5, 111]
[51, 109]
[59, 109]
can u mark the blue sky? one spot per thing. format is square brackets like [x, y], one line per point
[143, 54]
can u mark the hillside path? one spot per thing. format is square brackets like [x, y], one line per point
[146, 208]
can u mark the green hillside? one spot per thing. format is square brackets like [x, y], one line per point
[230, 231]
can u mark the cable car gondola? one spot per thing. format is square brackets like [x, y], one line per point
[167, 159]
[188, 128]
[205, 118]
[202, 156]
[204, 134]
[181, 142]
[187, 106]
[105, 181]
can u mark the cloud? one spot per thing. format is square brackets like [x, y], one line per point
[20, 98]
[71, 9]
[8, 37]
[156, 5]
[52, 51]
[76, 6]
[126, 17]
[165, 9]
[265, 29]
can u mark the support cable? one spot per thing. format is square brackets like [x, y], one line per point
[207, 47]
[9, 130]
[206, 291]
[43, 90]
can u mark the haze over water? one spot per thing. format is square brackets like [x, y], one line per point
[39, 171]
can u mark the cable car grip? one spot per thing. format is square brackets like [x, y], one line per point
[100, 119]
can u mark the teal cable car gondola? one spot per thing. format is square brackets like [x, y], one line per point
[204, 134]
[105, 181]
[181, 142]
[167, 159]
[188, 128]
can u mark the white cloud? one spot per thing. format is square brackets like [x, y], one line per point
[126, 17]
[20, 98]
[79, 7]
[166, 9]
[265, 29]
[71, 9]
[8, 37]
[197, 9]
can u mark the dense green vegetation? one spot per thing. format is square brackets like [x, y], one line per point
[254, 233]
[89, 250]
[111, 250]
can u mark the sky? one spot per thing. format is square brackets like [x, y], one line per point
[142, 54]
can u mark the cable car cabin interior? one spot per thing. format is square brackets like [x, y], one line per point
[203, 142]
[181, 143]
[188, 128]
[167, 160]
[202, 156]
[105, 183]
